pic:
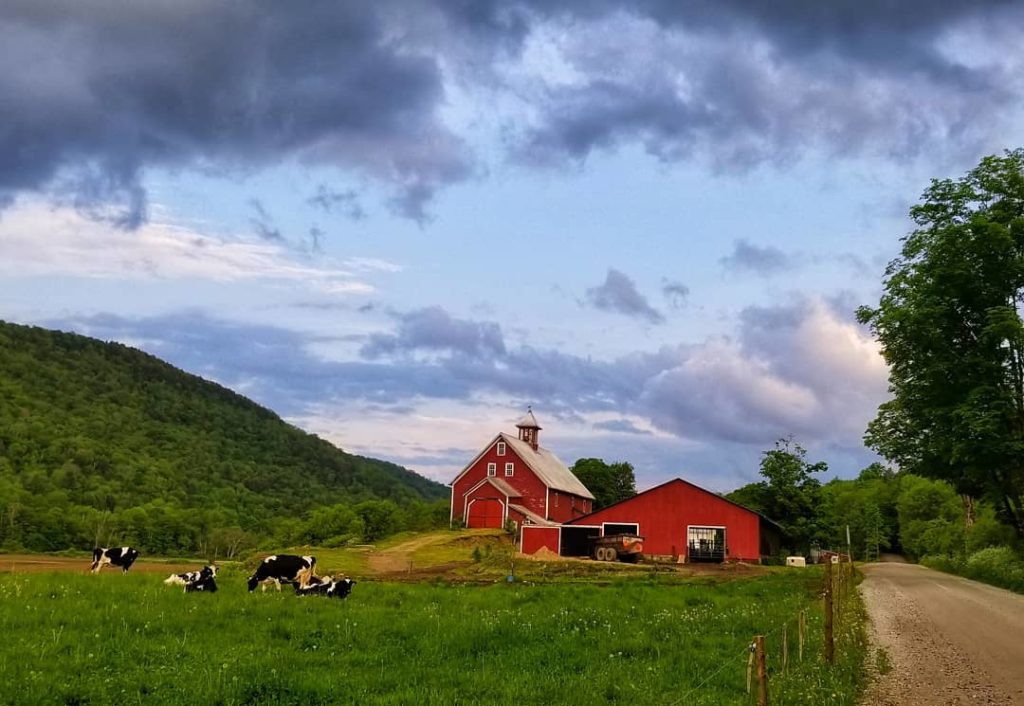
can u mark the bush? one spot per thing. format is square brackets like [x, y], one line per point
[987, 532]
[999, 566]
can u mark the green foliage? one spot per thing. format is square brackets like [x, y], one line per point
[930, 517]
[640, 642]
[790, 495]
[102, 444]
[951, 332]
[999, 566]
[987, 531]
[609, 482]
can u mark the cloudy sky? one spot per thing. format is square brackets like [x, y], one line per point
[398, 224]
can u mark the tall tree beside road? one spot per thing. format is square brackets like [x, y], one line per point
[609, 482]
[949, 324]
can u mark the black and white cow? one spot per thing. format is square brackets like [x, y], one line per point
[283, 568]
[115, 556]
[326, 586]
[191, 576]
[205, 582]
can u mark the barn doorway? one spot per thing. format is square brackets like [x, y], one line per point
[486, 513]
[577, 541]
[611, 528]
[705, 543]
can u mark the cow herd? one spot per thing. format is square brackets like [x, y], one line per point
[277, 569]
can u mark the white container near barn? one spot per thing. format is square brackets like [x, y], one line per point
[795, 561]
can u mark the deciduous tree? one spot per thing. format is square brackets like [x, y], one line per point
[949, 324]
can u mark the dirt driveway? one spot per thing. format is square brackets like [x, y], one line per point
[949, 640]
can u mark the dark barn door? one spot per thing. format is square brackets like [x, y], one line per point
[576, 541]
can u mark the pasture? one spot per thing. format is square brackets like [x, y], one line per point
[641, 639]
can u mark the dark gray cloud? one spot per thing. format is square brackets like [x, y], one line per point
[346, 202]
[764, 261]
[618, 293]
[846, 78]
[93, 93]
[434, 329]
[622, 426]
[676, 293]
[262, 222]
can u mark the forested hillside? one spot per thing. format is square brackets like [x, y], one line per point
[100, 442]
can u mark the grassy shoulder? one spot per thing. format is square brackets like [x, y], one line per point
[650, 638]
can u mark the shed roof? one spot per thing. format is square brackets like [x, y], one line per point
[504, 487]
[532, 516]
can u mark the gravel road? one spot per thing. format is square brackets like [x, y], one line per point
[948, 640]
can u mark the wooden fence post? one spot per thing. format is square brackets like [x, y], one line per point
[829, 645]
[762, 672]
[750, 664]
[785, 647]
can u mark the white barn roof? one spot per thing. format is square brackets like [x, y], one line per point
[552, 472]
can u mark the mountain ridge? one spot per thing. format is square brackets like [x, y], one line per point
[92, 430]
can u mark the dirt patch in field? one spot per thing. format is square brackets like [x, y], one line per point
[41, 563]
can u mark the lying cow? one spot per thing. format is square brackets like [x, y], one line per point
[326, 586]
[115, 556]
[204, 582]
[283, 568]
[191, 576]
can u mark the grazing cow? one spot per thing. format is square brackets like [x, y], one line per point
[283, 568]
[115, 556]
[190, 576]
[324, 586]
[204, 582]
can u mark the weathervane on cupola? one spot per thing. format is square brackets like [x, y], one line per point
[529, 429]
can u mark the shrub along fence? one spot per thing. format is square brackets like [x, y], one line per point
[823, 641]
[998, 566]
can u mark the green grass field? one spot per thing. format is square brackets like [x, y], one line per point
[640, 640]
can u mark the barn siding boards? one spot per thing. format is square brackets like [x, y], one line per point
[536, 538]
[541, 486]
[664, 512]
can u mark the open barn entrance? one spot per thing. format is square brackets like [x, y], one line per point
[705, 543]
[576, 540]
[611, 528]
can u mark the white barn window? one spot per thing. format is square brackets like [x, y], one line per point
[510, 469]
[501, 448]
[492, 469]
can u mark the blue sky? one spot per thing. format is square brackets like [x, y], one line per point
[398, 225]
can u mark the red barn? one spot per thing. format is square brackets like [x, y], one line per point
[677, 519]
[514, 478]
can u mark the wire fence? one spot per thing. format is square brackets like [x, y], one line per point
[767, 657]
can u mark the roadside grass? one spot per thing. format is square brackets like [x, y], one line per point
[647, 638]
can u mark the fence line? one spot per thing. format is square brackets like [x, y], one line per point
[836, 584]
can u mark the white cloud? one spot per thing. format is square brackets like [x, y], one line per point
[39, 240]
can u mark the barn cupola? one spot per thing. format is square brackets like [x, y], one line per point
[529, 429]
